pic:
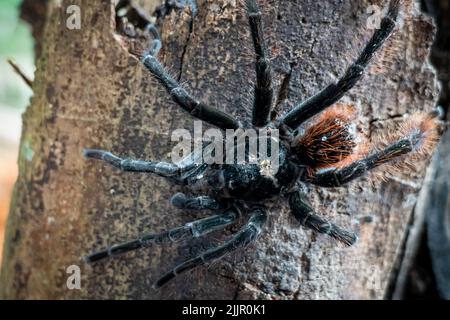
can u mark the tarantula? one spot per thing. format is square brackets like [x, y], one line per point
[327, 153]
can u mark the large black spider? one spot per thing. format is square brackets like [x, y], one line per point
[326, 154]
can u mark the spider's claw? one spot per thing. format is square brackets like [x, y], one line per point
[94, 154]
[96, 256]
[164, 279]
[346, 237]
[106, 156]
[181, 201]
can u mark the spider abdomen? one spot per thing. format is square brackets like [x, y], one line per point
[329, 140]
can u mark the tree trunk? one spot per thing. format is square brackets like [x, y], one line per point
[90, 93]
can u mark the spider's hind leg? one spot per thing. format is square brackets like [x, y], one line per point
[190, 230]
[241, 239]
[304, 213]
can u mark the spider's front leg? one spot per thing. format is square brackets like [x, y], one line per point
[163, 169]
[354, 73]
[305, 214]
[241, 239]
[184, 99]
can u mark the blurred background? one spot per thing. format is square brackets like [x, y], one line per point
[16, 42]
[424, 274]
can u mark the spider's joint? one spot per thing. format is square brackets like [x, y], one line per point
[306, 218]
[171, 238]
[145, 242]
[356, 70]
[146, 57]
[196, 110]
[111, 250]
[392, 21]
[263, 62]
[202, 257]
[330, 227]
[193, 228]
[254, 14]
[360, 67]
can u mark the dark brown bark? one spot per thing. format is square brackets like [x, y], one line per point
[34, 12]
[90, 93]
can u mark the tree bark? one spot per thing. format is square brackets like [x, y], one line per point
[88, 92]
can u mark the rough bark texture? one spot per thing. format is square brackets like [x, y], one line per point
[440, 57]
[427, 247]
[438, 203]
[90, 93]
[438, 217]
[34, 12]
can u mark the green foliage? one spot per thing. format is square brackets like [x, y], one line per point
[16, 42]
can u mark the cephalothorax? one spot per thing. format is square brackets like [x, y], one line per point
[327, 153]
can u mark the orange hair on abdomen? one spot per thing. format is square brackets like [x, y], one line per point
[330, 139]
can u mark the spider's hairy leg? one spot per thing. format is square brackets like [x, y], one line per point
[241, 239]
[263, 95]
[190, 230]
[414, 139]
[335, 91]
[181, 201]
[163, 169]
[304, 213]
[180, 95]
